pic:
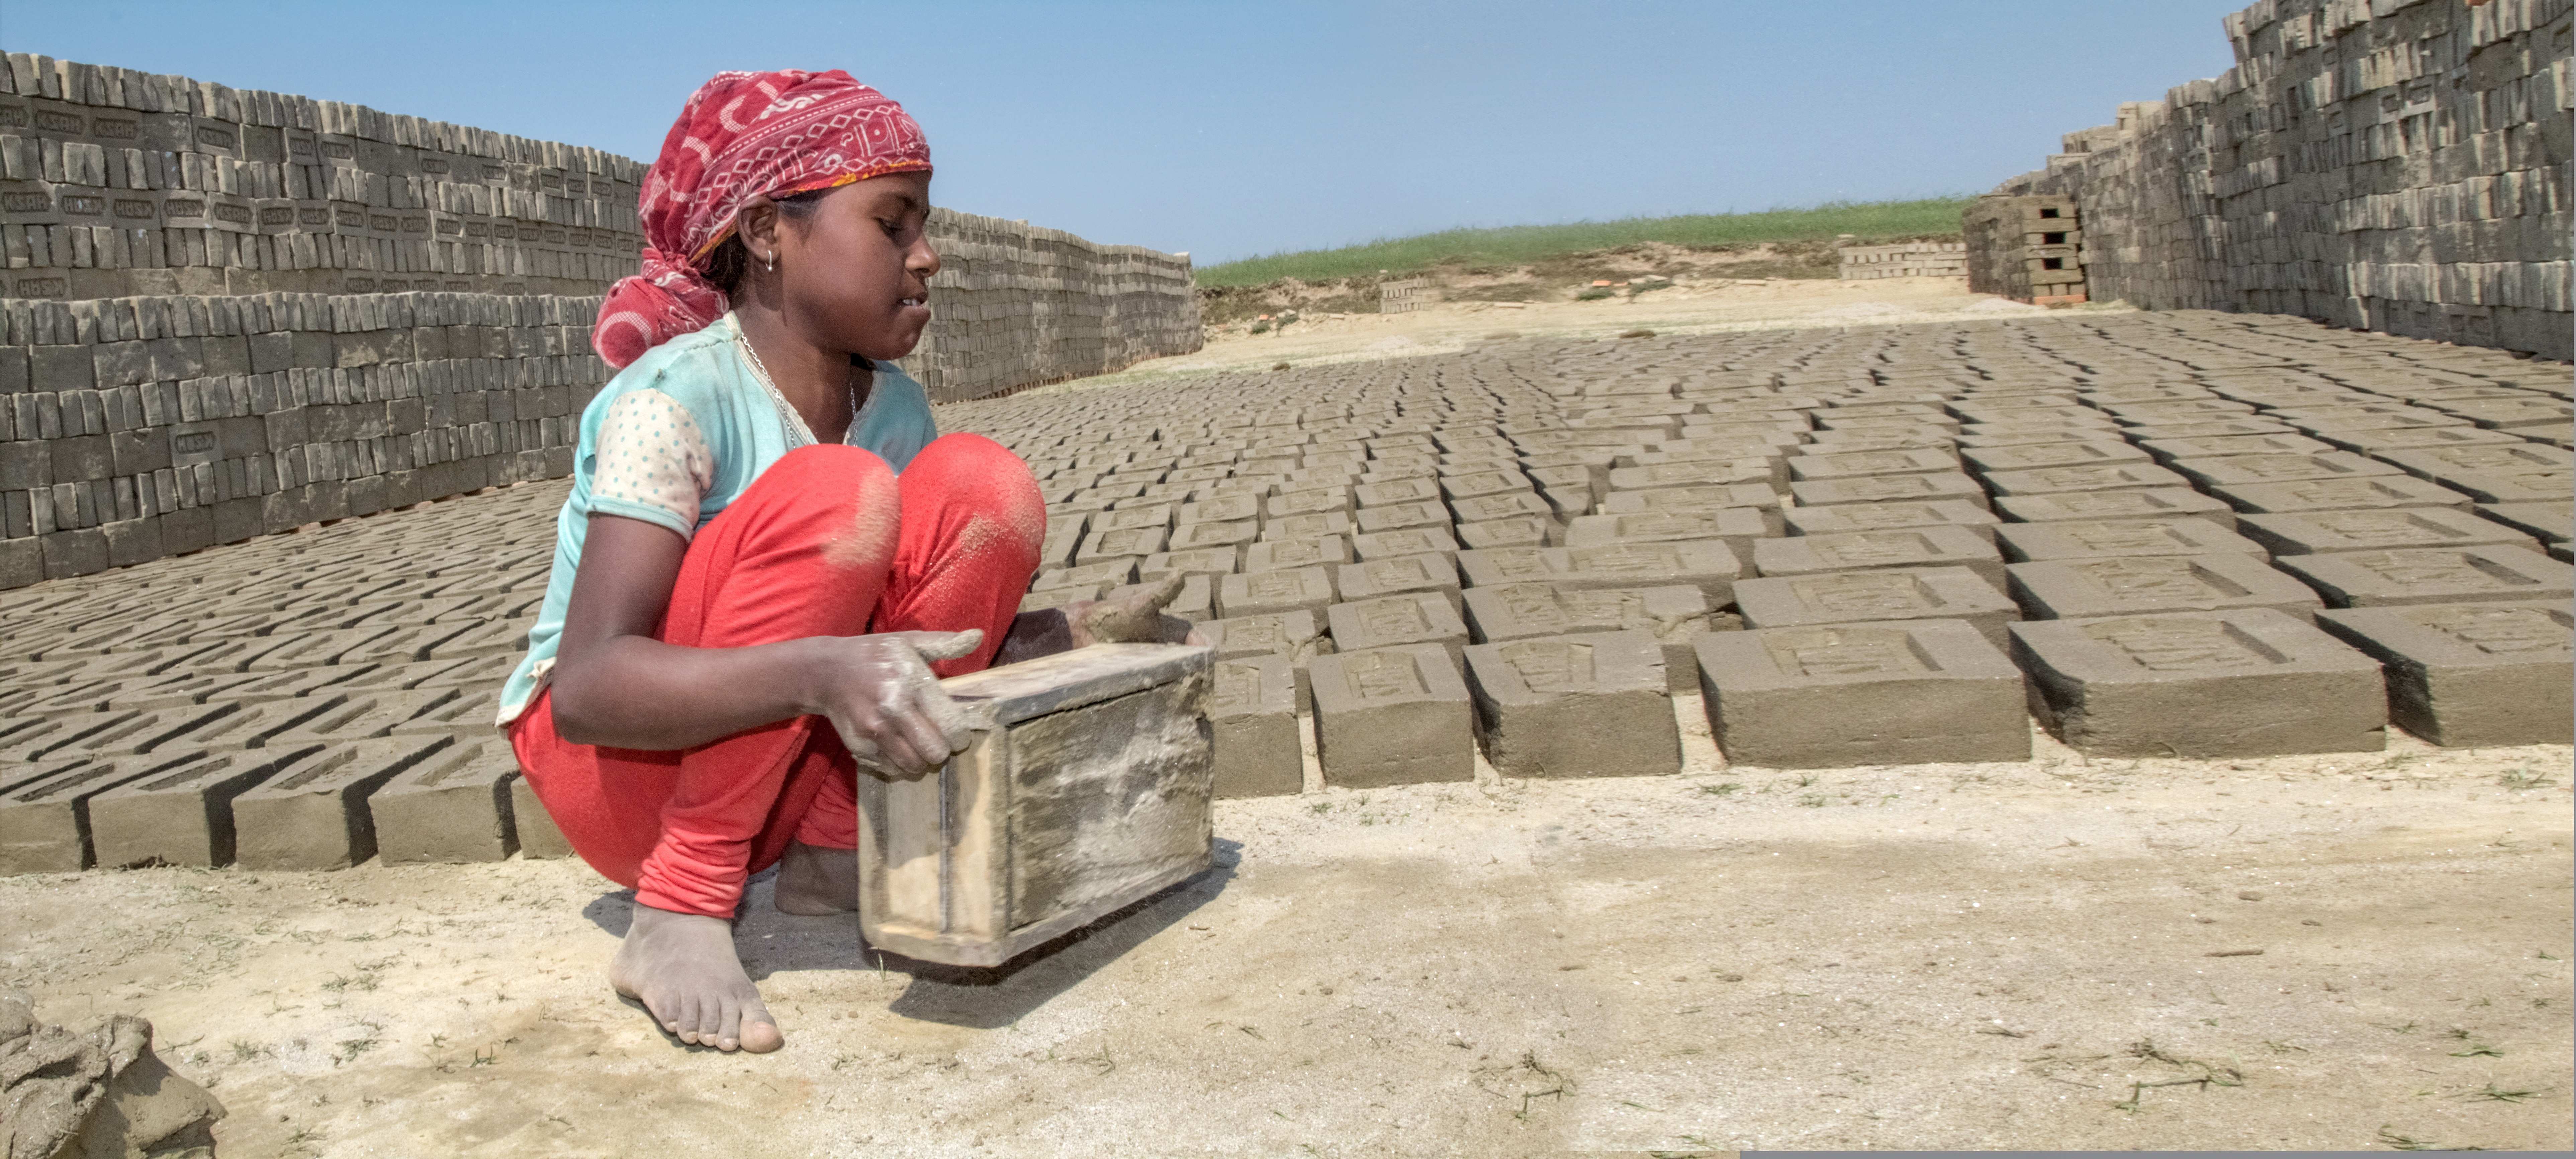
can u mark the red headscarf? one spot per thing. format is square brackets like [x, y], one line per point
[743, 133]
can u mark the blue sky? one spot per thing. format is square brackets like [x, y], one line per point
[1237, 129]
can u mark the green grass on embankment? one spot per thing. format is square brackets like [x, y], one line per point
[1519, 244]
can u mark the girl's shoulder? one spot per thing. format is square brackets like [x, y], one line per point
[700, 370]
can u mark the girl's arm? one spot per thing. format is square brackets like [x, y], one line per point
[615, 685]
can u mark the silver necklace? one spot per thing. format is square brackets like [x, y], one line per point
[798, 434]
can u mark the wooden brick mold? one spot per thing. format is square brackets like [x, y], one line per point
[1086, 789]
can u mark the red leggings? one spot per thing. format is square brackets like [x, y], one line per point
[827, 542]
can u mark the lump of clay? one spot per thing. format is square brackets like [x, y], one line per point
[98, 1093]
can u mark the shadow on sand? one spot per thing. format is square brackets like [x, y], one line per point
[987, 998]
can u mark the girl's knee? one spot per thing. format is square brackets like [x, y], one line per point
[831, 468]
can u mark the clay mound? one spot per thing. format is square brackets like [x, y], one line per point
[95, 1093]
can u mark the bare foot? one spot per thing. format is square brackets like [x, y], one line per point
[682, 967]
[1135, 617]
[814, 881]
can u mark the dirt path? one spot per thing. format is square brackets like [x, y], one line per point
[1697, 307]
[1936, 956]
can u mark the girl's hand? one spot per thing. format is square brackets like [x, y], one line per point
[880, 694]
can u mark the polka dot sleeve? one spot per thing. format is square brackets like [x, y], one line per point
[652, 462]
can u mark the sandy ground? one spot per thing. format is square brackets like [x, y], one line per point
[1698, 307]
[2057, 953]
[1933, 956]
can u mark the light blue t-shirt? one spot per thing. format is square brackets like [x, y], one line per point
[674, 439]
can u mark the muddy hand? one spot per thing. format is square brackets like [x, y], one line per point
[1134, 618]
[881, 696]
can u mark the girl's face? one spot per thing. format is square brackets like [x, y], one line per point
[854, 274]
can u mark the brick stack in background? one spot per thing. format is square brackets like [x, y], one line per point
[1403, 297]
[226, 312]
[2025, 248]
[1912, 259]
[132, 428]
[2395, 166]
[117, 183]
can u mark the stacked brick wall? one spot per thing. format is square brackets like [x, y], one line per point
[132, 428]
[2025, 248]
[2395, 165]
[1913, 259]
[117, 183]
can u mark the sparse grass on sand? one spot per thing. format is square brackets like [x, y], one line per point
[1514, 245]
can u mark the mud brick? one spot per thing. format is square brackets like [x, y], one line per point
[1851, 517]
[312, 814]
[2472, 674]
[2107, 538]
[1740, 528]
[1085, 789]
[1252, 728]
[1200, 536]
[1392, 621]
[1277, 554]
[1298, 635]
[1810, 467]
[1223, 508]
[1507, 505]
[2168, 450]
[1125, 542]
[1115, 571]
[2441, 462]
[2375, 492]
[1393, 716]
[2546, 522]
[2433, 575]
[1708, 565]
[488, 639]
[461, 672]
[1310, 526]
[1889, 489]
[452, 806]
[2100, 477]
[1398, 516]
[1860, 597]
[1407, 541]
[539, 838]
[471, 712]
[1315, 502]
[2217, 429]
[1395, 492]
[1572, 486]
[1700, 500]
[2245, 682]
[1396, 575]
[1904, 692]
[2526, 486]
[289, 723]
[1672, 616]
[1204, 562]
[2414, 438]
[2240, 470]
[1064, 534]
[180, 814]
[1938, 546]
[1286, 590]
[2040, 456]
[1476, 484]
[312, 649]
[1589, 705]
[137, 733]
[2066, 589]
[1517, 531]
[1150, 516]
[2307, 533]
[44, 809]
[1698, 473]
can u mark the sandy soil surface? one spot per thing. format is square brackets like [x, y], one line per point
[1699, 306]
[2318, 952]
